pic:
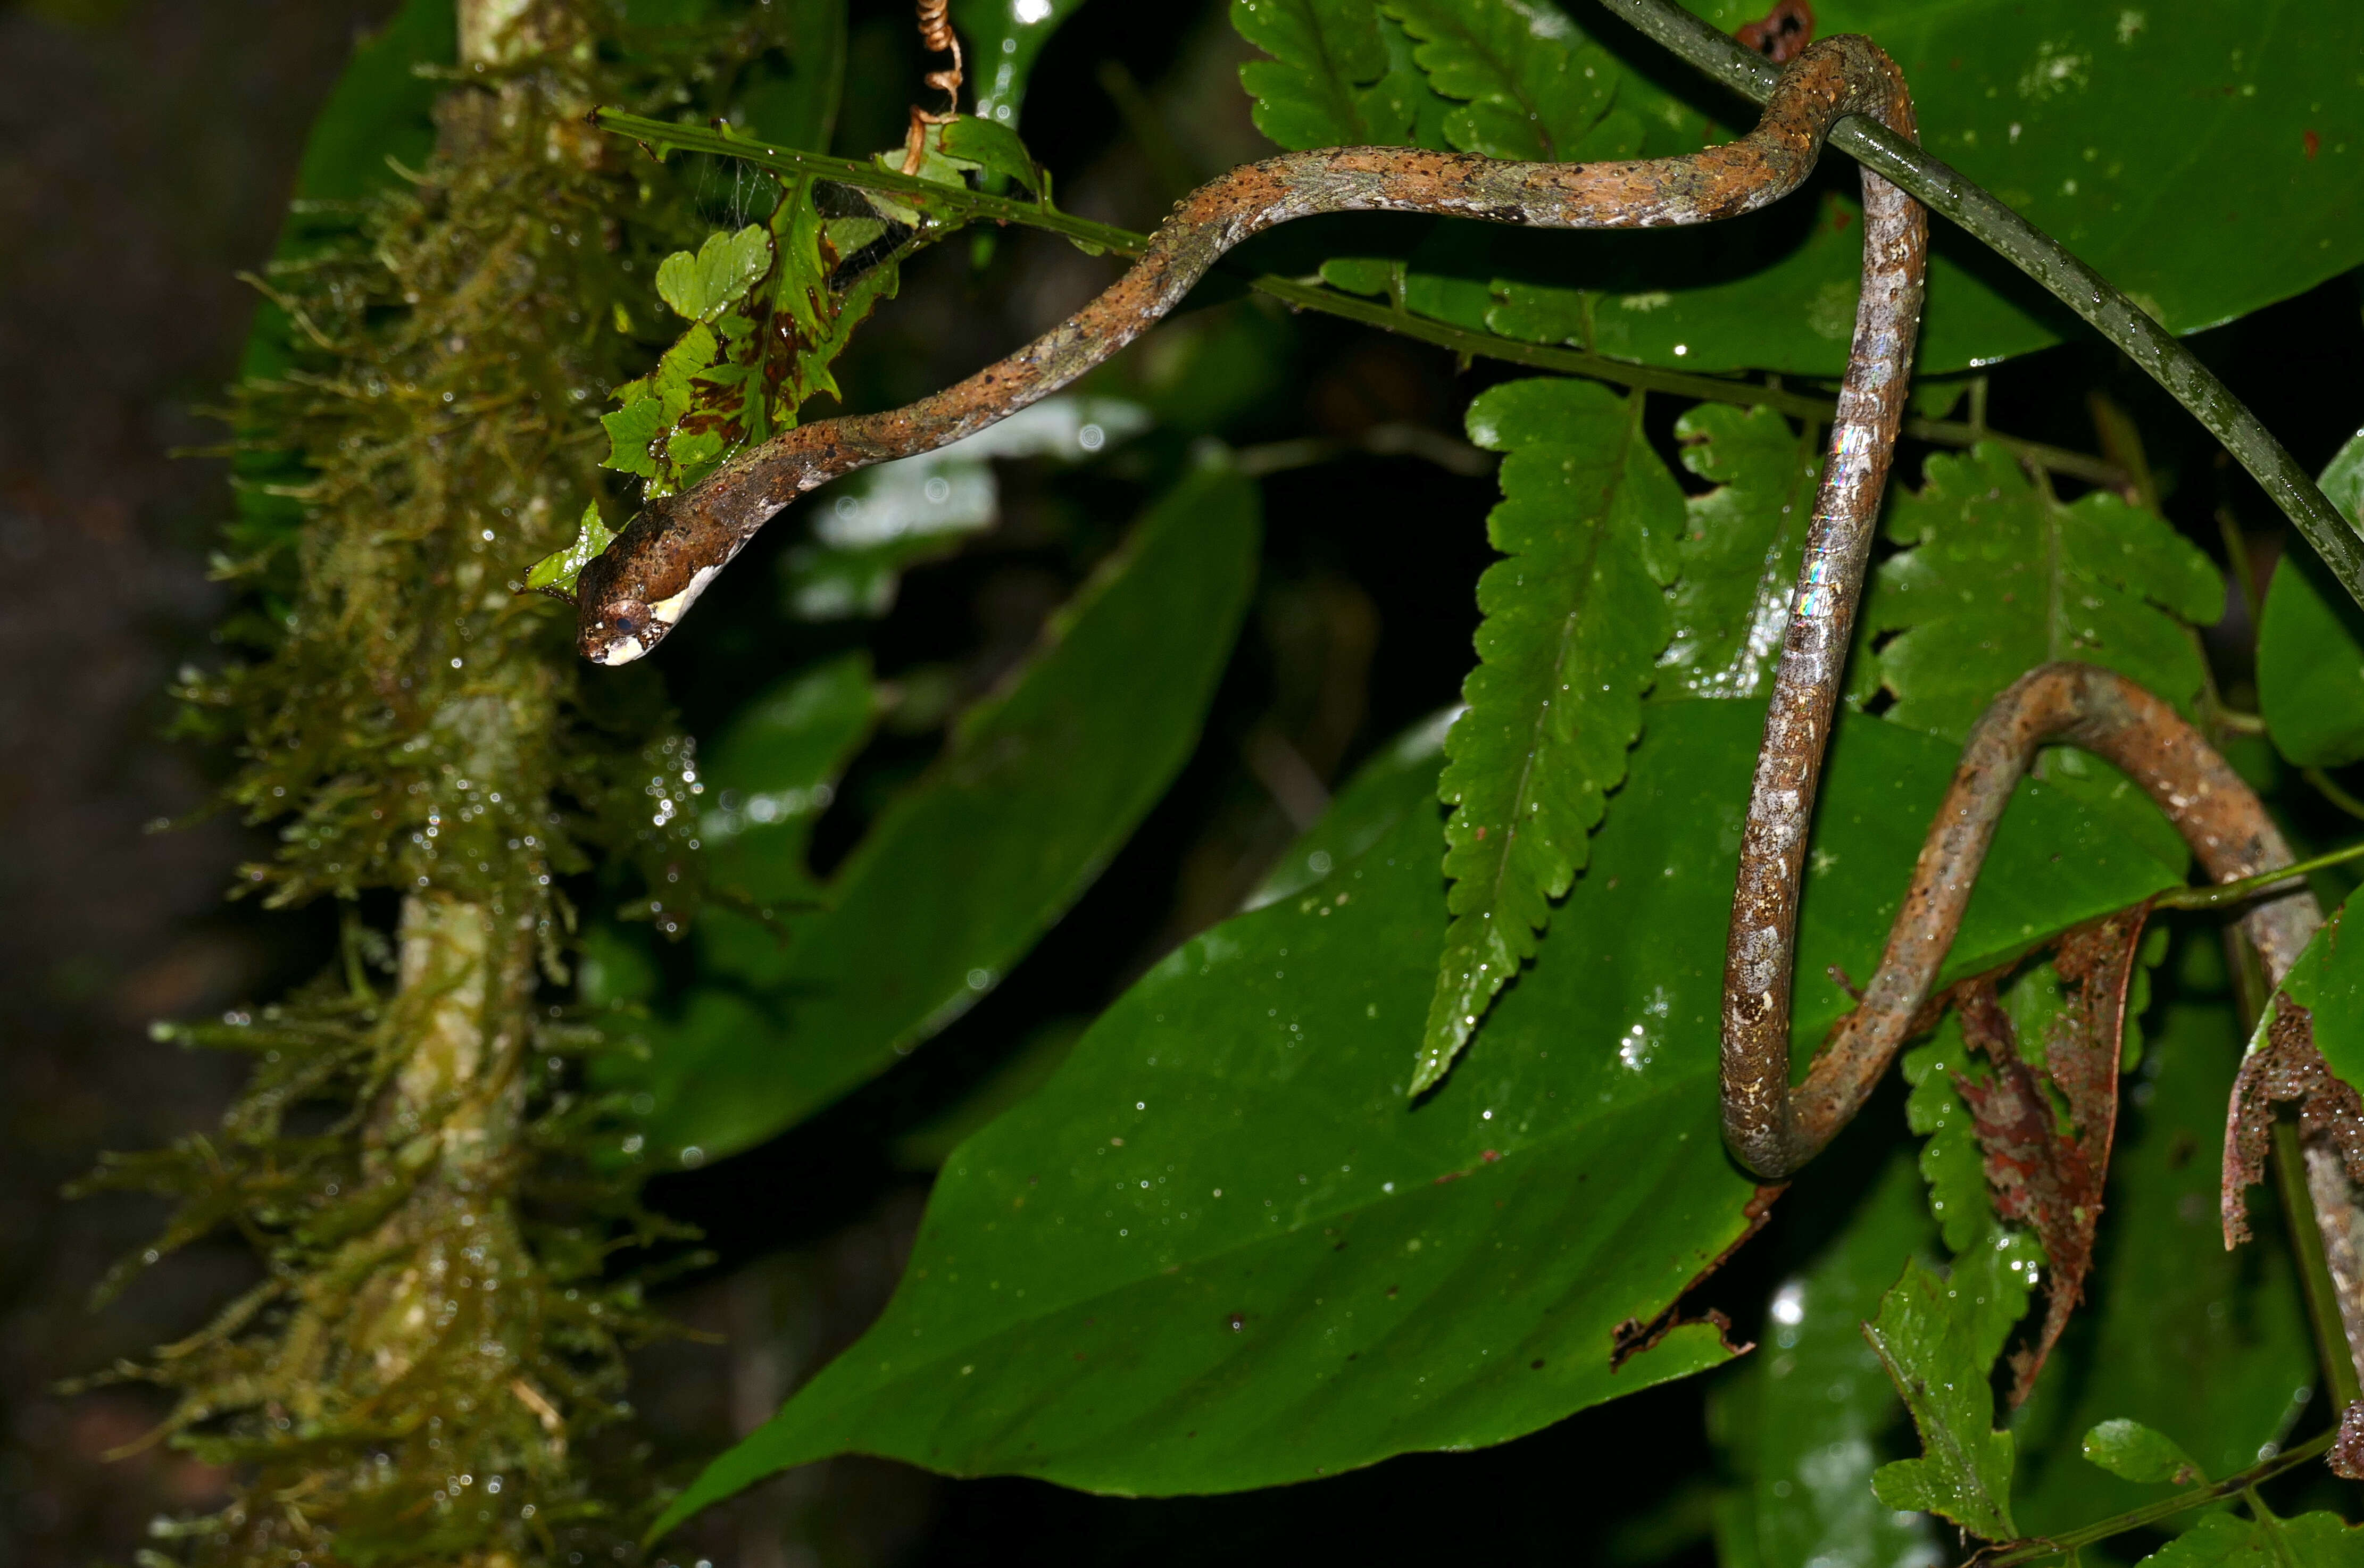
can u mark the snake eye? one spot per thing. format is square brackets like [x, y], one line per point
[624, 624]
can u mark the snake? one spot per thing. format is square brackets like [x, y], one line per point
[634, 593]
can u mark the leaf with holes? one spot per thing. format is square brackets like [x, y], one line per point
[1742, 543]
[2000, 577]
[1575, 618]
[1928, 1342]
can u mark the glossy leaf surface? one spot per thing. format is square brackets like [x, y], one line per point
[1575, 618]
[2133, 1452]
[2158, 143]
[775, 771]
[1931, 1354]
[1741, 547]
[2220, 1540]
[1802, 1422]
[2001, 578]
[2310, 644]
[1219, 1250]
[964, 870]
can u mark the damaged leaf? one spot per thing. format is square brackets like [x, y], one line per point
[1927, 1343]
[2045, 1125]
[555, 574]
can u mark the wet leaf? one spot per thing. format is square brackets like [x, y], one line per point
[2310, 644]
[775, 771]
[1333, 80]
[2001, 578]
[2220, 1540]
[1401, 778]
[702, 286]
[1802, 1422]
[2133, 1452]
[555, 574]
[1742, 543]
[1928, 1343]
[2155, 142]
[1369, 1282]
[2209, 1347]
[769, 313]
[1526, 84]
[963, 872]
[1004, 38]
[993, 148]
[1575, 618]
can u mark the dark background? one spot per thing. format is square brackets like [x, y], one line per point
[146, 147]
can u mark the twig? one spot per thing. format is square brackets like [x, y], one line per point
[2043, 259]
[2037, 1550]
[962, 205]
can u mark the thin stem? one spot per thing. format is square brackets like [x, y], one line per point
[1944, 190]
[2249, 887]
[2151, 1513]
[2313, 1265]
[960, 204]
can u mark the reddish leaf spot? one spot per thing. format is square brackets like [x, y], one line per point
[2313, 143]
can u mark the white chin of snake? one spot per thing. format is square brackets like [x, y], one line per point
[666, 613]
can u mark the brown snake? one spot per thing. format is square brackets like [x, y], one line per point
[634, 593]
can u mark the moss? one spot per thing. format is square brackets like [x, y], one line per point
[430, 1369]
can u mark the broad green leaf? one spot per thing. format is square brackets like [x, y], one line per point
[2310, 644]
[1930, 1346]
[2157, 141]
[2001, 578]
[2208, 1347]
[1741, 547]
[1004, 38]
[2220, 1540]
[1529, 85]
[963, 872]
[1574, 619]
[2133, 1452]
[1400, 779]
[1802, 1423]
[871, 528]
[775, 771]
[702, 286]
[555, 574]
[1271, 1267]
[1333, 79]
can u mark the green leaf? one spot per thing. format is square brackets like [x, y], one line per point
[1333, 80]
[2208, 1347]
[554, 573]
[702, 287]
[2156, 142]
[2220, 1540]
[1802, 1423]
[2310, 644]
[2133, 1452]
[775, 771]
[2328, 980]
[1398, 1296]
[1741, 547]
[1400, 779]
[1005, 38]
[962, 872]
[1930, 1346]
[994, 148]
[2001, 578]
[1528, 84]
[1574, 619]
[1950, 1162]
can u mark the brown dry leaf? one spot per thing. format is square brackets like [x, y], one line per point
[2050, 1180]
[2287, 1068]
